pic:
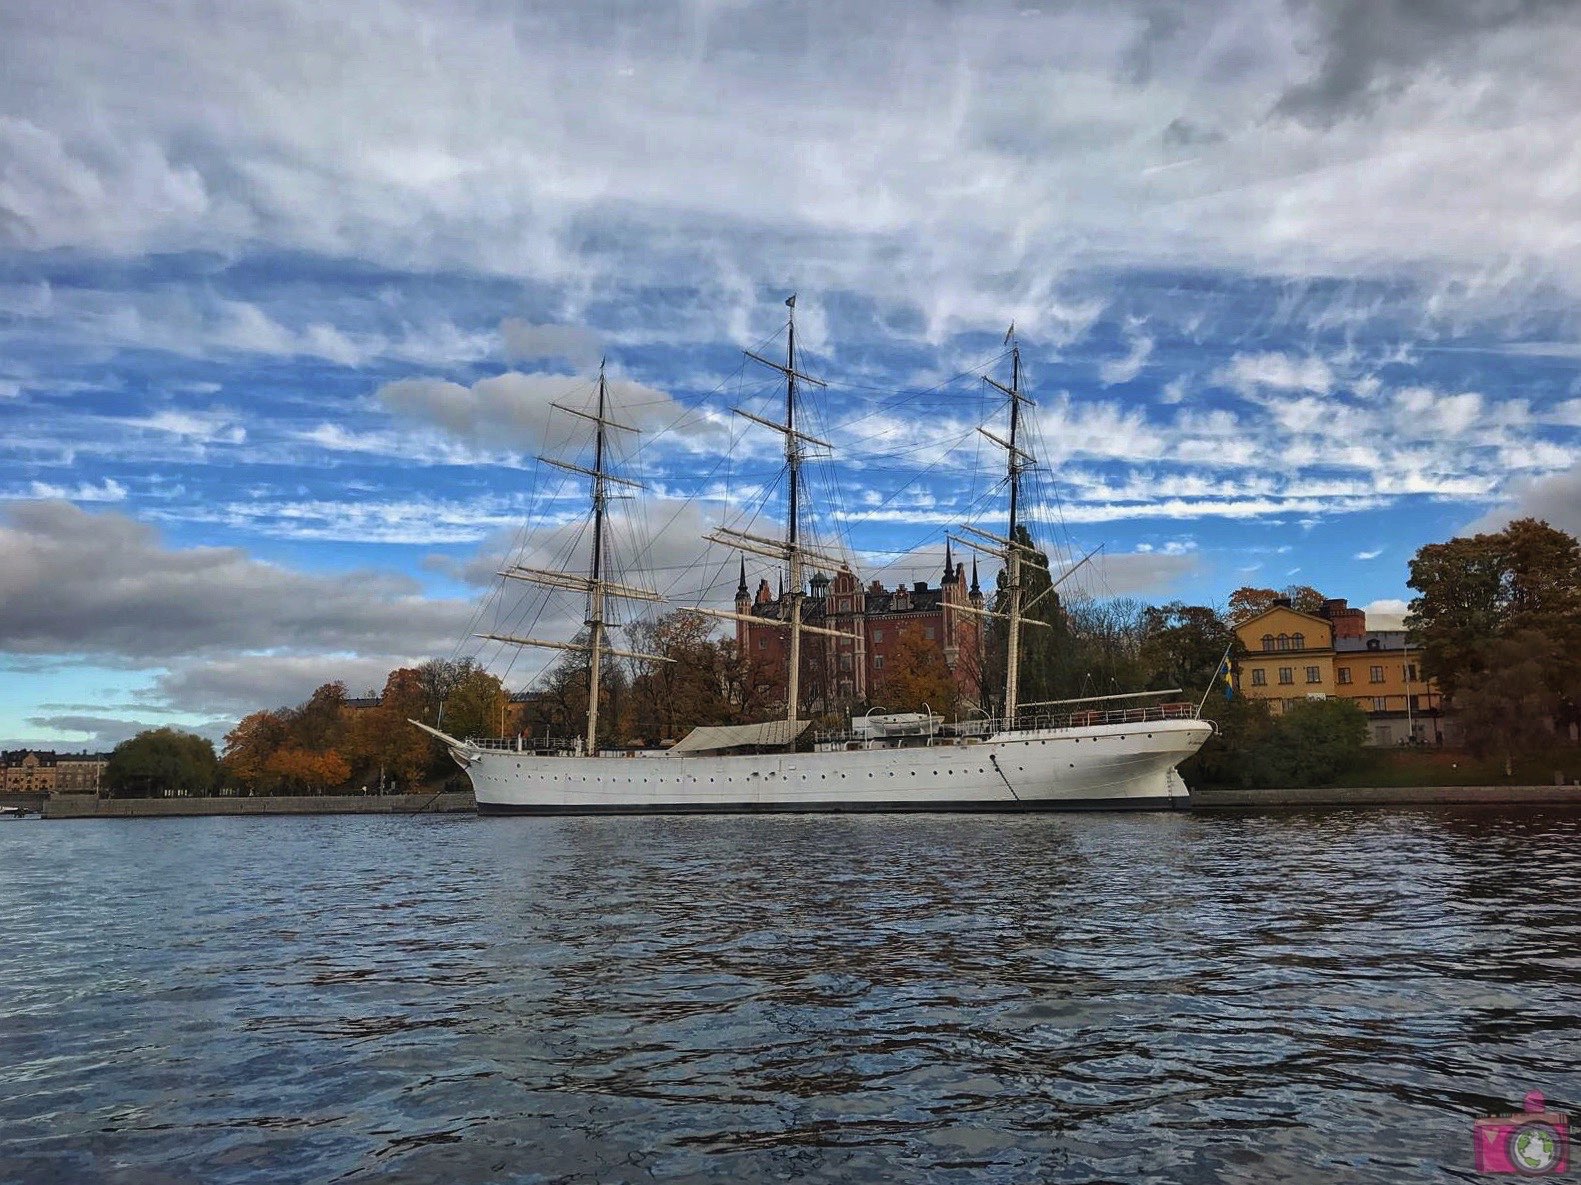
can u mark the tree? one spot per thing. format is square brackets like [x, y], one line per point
[1310, 744]
[250, 745]
[309, 770]
[560, 707]
[1101, 650]
[385, 747]
[917, 676]
[161, 759]
[1507, 709]
[1183, 645]
[1246, 603]
[1045, 667]
[476, 705]
[670, 698]
[1476, 591]
[320, 723]
[1226, 759]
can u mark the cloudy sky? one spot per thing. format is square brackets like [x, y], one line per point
[287, 291]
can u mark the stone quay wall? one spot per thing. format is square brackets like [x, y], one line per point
[86, 806]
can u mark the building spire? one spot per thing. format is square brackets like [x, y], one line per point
[949, 563]
[976, 591]
[741, 589]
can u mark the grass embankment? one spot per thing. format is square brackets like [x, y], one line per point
[1457, 767]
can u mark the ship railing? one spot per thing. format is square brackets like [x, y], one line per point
[983, 726]
[1093, 717]
[526, 744]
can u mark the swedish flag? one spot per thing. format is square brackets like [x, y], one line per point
[1229, 680]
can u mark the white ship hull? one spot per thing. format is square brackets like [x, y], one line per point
[1099, 767]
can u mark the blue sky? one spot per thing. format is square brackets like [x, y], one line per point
[285, 296]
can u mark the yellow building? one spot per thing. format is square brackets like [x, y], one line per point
[1288, 656]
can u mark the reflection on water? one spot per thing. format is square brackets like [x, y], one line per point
[1071, 998]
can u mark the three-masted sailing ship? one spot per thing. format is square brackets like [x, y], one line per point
[1117, 752]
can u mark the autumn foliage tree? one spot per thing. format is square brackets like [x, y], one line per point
[684, 684]
[1246, 602]
[916, 676]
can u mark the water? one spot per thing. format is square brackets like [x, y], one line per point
[1319, 997]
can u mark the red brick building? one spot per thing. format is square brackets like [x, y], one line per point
[839, 672]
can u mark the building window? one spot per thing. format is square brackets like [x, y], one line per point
[878, 635]
[1259, 677]
[1380, 703]
[1314, 675]
[1298, 641]
[1344, 676]
[1287, 674]
[1284, 641]
[878, 662]
[1268, 641]
[1375, 674]
[927, 632]
[1410, 672]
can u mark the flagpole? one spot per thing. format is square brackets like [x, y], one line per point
[1217, 671]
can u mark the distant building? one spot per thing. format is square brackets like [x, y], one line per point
[1292, 656]
[872, 621]
[41, 771]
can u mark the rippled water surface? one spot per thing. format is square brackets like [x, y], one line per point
[1071, 998]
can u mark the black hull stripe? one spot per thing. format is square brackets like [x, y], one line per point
[965, 806]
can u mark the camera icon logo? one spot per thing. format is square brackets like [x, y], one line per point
[1534, 1143]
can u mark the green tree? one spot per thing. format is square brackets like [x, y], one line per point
[1183, 645]
[1310, 744]
[1227, 760]
[320, 724]
[1046, 669]
[1508, 708]
[1478, 590]
[162, 759]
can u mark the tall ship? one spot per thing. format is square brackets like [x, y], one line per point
[1110, 752]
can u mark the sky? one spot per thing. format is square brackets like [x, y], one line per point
[288, 292]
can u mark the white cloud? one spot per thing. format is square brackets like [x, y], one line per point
[1369, 555]
[1256, 374]
[1123, 370]
[109, 490]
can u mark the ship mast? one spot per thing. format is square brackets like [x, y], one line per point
[1013, 644]
[1010, 548]
[595, 596]
[597, 589]
[791, 550]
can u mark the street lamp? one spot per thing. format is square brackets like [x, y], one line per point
[1410, 723]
